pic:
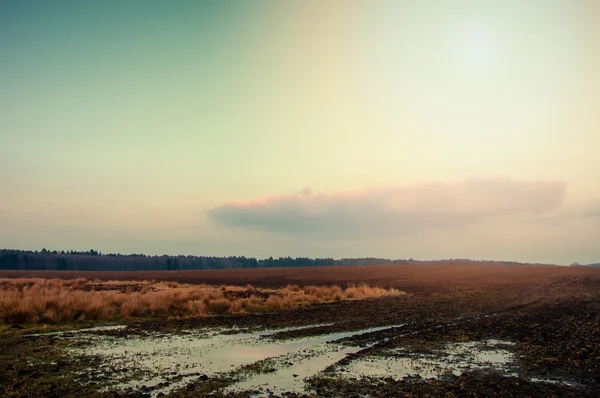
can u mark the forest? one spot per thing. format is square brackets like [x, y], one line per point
[93, 260]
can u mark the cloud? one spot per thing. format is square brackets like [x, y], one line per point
[591, 212]
[391, 211]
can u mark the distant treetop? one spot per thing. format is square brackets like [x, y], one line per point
[93, 260]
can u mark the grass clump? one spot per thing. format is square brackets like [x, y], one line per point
[51, 301]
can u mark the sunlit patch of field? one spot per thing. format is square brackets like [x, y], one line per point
[52, 301]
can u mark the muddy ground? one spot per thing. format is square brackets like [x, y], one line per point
[411, 278]
[549, 325]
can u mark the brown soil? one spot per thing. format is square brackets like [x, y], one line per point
[551, 313]
[410, 278]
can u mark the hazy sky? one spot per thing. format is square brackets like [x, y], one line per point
[424, 129]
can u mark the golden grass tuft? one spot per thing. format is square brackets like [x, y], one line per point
[50, 301]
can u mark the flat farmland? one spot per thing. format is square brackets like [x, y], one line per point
[418, 278]
[422, 331]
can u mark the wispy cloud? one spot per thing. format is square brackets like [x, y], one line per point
[390, 211]
[591, 212]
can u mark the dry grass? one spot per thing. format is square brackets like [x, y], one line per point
[56, 300]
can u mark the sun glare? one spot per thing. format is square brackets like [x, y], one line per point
[475, 48]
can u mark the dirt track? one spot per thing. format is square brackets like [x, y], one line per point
[410, 278]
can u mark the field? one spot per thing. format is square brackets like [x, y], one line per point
[410, 278]
[329, 331]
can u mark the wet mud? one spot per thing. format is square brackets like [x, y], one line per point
[505, 341]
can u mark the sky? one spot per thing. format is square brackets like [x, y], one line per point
[400, 129]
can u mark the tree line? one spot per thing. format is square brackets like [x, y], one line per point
[93, 260]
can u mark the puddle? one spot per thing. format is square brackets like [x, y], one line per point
[455, 358]
[87, 330]
[563, 382]
[160, 363]
[303, 358]
[253, 360]
[292, 378]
